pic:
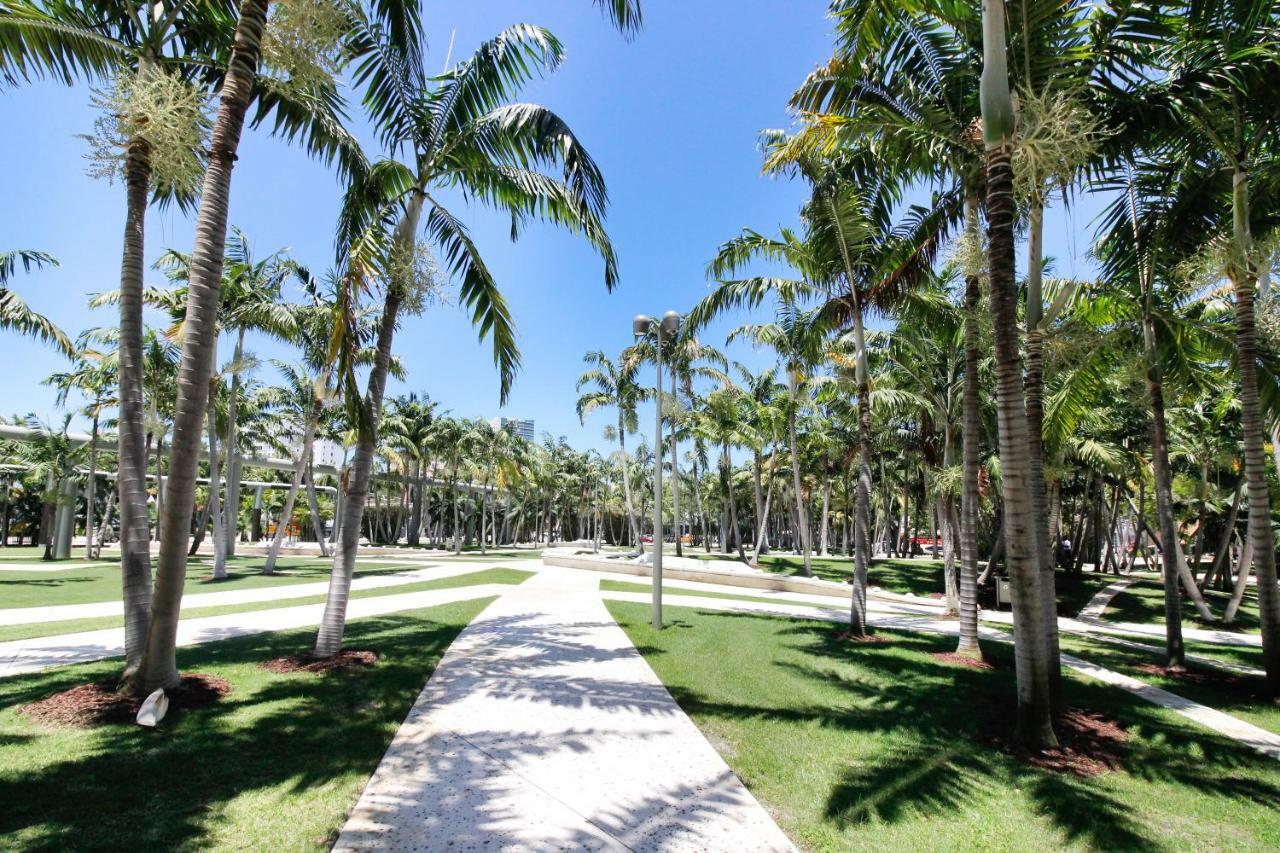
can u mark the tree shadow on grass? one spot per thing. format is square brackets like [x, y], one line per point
[133, 788]
[935, 755]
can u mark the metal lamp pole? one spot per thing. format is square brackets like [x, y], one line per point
[667, 328]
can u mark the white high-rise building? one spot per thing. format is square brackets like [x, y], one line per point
[522, 428]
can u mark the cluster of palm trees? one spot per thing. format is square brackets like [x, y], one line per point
[178, 82]
[1008, 409]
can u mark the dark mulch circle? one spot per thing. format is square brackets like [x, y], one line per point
[1089, 744]
[961, 660]
[99, 703]
[1247, 688]
[869, 639]
[343, 661]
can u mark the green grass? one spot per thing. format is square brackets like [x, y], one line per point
[1237, 702]
[1144, 603]
[923, 578]
[79, 585]
[647, 589]
[879, 747]
[275, 766]
[71, 626]
[23, 554]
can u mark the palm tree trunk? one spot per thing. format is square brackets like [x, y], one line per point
[1255, 461]
[802, 522]
[862, 500]
[626, 481]
[299, 466]
[970, 458]
[1031, 652]
[131, 480]
[235, 462]
[726, 475]
[313, 505]
[159, 666]
[334, 621]
[1174, 650]
[90, 488]
[215, 494]
[1034, 386]
[1242, 581]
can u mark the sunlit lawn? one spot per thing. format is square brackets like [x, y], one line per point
[879, 747]
[1144, 602]
[80, 584]
[647, 588]
[275, 766]
[69, 626]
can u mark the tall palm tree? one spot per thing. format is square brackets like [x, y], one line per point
[1214, 102]
[93, 377]
[1031, 652]
[615, 384]
[800, 339]
[463, 131]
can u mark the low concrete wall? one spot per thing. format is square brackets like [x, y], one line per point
[744, 578]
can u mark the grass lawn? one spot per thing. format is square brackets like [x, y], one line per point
[879, 746]
[26, 553]
[1144, 603]
[275, 766]
[70, 626]
[922, 578]
[1240, 698]
[624, 586]
[81, 585]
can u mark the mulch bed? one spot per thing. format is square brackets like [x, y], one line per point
[1089, 744]
[341, 662]
[99, 703]
[961, 660]
[1243, 687]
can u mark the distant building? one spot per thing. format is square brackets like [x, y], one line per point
[522, 428]
[325, 452]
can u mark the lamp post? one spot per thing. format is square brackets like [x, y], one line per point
[666, 328]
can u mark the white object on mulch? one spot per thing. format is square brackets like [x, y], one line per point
[153, 709]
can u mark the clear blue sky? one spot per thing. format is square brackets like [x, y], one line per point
[671, 117]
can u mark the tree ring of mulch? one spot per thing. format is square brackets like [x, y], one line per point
[1089, 744]
[1244, 687]
[99, 703]
[865, 639]
[961, 660]
[343, 661]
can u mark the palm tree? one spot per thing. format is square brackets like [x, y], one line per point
[462, 131]
[14, 313]
[93, 376]
[1035, 703]
[615, 384]
[722, 422]
[800, 339]
[1214, 103]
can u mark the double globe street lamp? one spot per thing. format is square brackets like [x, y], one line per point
[664, 329]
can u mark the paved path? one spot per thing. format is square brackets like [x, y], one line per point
[92, 610]
[1097, 604]
[544, 729]
[38, 653]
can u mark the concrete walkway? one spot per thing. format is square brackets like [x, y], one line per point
[1099, 602]
[253, 595]
[39, 653]
[544, 729]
